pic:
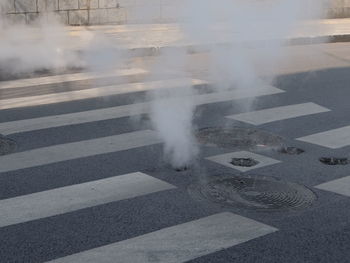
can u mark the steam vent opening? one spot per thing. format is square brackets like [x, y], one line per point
[238, 138]
[291, 150]
[334, 161]
[181, 169]
[256, 193]
[244, 162]
[6, 145]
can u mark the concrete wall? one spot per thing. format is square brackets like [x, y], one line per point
[339, 9]
[81, 12]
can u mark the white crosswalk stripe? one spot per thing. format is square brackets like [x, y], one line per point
[340, 186]
[279, 113]
[119, 111]
[71, 198]
[94, 93]
[178, 243]
[75, 150]
[52, 121]
[333, 139]
[21, 83]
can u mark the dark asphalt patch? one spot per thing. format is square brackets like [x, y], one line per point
[237, 137]
[7, 145]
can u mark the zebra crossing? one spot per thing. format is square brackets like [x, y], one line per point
[71, 198]
[75, 150]
[55, 79]
[26, 125]
[93, 93]
[178, 243]
[334, 139]
[279, 113]
[340, 186]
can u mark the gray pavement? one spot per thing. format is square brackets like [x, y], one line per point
[81, 189]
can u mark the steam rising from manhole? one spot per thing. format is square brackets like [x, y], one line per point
[6, 145]
[244, 162]
[334, 161]
[237, 138]
[265, 194]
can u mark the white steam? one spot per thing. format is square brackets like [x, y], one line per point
[250, 28]
[44, 45]
[48, 44]
[172, 115]
[172, 110]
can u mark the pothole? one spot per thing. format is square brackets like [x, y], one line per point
[6, 145]
[334, 161]
[241, 138]
[290, 150]
[265, 194]
[244, 162]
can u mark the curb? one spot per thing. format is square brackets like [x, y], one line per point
[202, 48]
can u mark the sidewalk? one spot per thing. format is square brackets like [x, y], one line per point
[147, 38]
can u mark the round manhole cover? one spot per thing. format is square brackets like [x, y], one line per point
[254, 193]
[334, 161]
[237, 137]
[6, 145]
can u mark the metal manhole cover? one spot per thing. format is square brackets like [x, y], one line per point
[6, 145]
[334, 161]
[244, 162]
[237, 137]
[264, 194]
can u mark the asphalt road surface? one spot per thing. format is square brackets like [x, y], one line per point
[87, 181]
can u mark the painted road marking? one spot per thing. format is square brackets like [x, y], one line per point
[340, 186]
[333, 139]
[52, 121]
[75, 150]
[21, 83]
[95, 93]
[74, 197]
[225, 159]
[236, 94]
[279, 113]
[26, 125]
[179, 243]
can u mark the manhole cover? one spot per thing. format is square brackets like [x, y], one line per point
[334, 161]
[237, 138]
[6, 145]
[290, 150]
[244, 162]
[254, 193]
